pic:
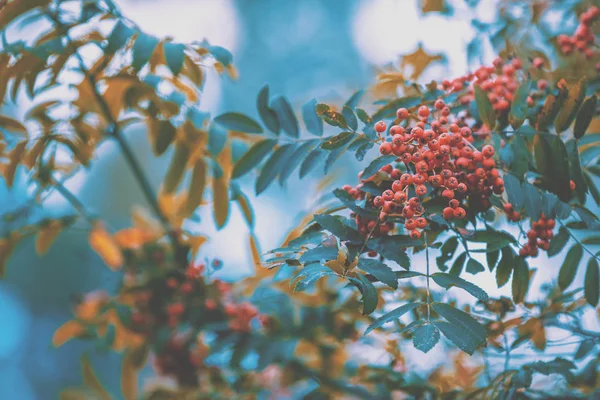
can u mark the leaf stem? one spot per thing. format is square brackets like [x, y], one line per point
[428, 277]
[583, 246]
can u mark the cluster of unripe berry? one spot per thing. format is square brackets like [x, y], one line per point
[439, 159]
[583, 39]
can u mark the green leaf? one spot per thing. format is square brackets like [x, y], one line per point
[118, 37]
[197, 186]
[220, 198]
[369, 293]
[566, 115]
[286, 116]
[332, 157]
[273, 166]
[585, 116]
[584, 348]
[486, 112]
[518, 108]
[542, 154]
[569, 266]
[377, 164]
[174, 55]
[319, 254]
[363, 116]
[474, 267]
[268, 116]
[311, 161]
[309, 275]
[522, 158]
[495, 239]
[575, 172]
[350, 118]
[426, 337]
[380, 271]
[559, 169]
[447, 249]
[390, 247]
[389, 110]
[532, 200]
[238, 122]
[142, 50]
[550, 109]
[505, 266]
[589, 181]
[338, 228]
[164, 133]
[349, 202]
[520, 282]
[513, 191]
[592, 282]
[244, 204]
[407, 274]
[393, 315]
[458, 264]
[330, 116]
[220, 54]
[457, 336]
[447, 281]
[217, 138]
[337, 141]
[558, 242]
[474, 334]
[294, 160]
[313, 123]
[253, 157]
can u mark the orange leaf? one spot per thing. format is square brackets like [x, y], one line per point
[66, 332]
[129, 378]
[91, 380]
[131, 238]
[46, 236]
[103, 244]
[255, 251]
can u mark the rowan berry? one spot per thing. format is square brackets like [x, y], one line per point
[380, 127]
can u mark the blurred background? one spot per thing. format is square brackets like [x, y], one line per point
[302, 49]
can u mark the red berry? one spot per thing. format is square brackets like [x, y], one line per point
[415, 234]
[385, 148]
[402, 113]
[448, 213]
[380, 127]
[460, 213]
[423, 112]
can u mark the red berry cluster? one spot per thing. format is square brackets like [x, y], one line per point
[437, 154]
[538, 237]
[511, 214]
[583, 39]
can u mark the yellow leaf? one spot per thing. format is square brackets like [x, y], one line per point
[91, 380]
[432, 5]
[16, 8]
[114, 94]
[255, 251]
[176, 168]
[419, 60]
[193, 71]
[6, 248]
[132, 238]
[195, 242]
[244, 204]
[129, 378]
[86, 100]
[66, 332]
[190, 93]
[197, 185]
[103, 244]
[221, 188]
[32, 155]
[157, 58]
[47, 234]
[141, 218]
[12, 125]
[14, 158]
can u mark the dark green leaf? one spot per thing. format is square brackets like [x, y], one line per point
[474, 267]
[518, 108]
[458, 336]
[333, 156]
[505, 266]
[369, 293]
[389, 110]
[584, 348]
[458, 264]
[532, 200]
[391, 248]
[176, 167]
[253, 157]
[558, 242]
[312, 160]
[217, 137]
[313, 123]
[338, 228]
[286, 116]
[273, 166]
[520, 282]
[407, 274]
[380, 271]
[118, 37]
[349, 202]
[309, 275]
[473, 331]
[267, 115]
[426, 337]
[354, 99]
[521, 160]
[350, 118]
[165, 134]
[337, 141]
[592, 187]
[486, 112]
[377, 164]
[363, 116]
[393, 315]
[559, 169]
[584, 116]
[174, 55]
[238, 122]
[447, 281]
[295, 160]
[569, 266]
[492, 259]
[592, 282]
[513, 191]
[448, 249]
[575, 172]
